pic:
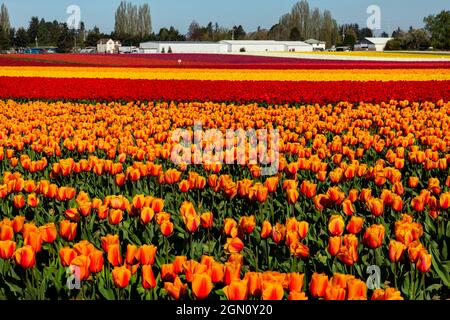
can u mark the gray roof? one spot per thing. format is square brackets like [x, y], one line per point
[314, 41]
[380, 41]
[181, 42]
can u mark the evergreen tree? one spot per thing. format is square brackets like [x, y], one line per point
[21, 39]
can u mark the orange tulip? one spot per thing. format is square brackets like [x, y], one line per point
[120, 179]
[353, 195]
[308, 189]
[147, 254]
[373, 238]
[295, 281]
[84, 248]
[157, 205]
[348, 208]
[121, 276]
[271, 184]
[25, 257]
[66, 256]
[278, 233]
[217, 272]
[388, 294]
[114, 255]
[7, 249]
[34, 239]
[162, 217]
[17, 223]
[335, 293]
[228, 225]
[97, 260]
[184, 186]
[48, 232]
[424, 262]
[207, 220]
[334, 245]
[19, 201]
[340, 280]
[147, 215]
[299, 250]
[33, 200]
[336, 225]
[444, 201]
[201, 286]
[115, 216]
[376, 206]
[348, 254]
[418, 203]
[302, 227]
[148, 278]
[6, 232]
[131, 256]
[292, 195]
[355, 225]
[266, 230]
[72, 214]
[234, 245]
[415, 250]
[176, 289]
[261, 194]
[166, 228]
[318, 285]
[167, 272]
[82, 263]
[272, 291]
[299, 296]
[236, 290]
[68, 230]
[178, 264]
[356, 290]
[109, 240]
[247, 224]
[232, 272]
[396, 250]
[192, 223]
[254, 282]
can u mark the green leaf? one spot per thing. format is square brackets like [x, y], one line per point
[444, 250]
[433, 287]
[448, 230]
[406, 285]
[441, 269]
[323, 259]
[108, 294]
[14, 288]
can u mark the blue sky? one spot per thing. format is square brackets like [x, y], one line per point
[249, 13]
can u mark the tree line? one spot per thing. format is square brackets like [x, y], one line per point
[133, 24]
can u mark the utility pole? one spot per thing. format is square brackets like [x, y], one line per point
[36, 41]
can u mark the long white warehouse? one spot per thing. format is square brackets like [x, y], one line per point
[225, 46]
[182, 47]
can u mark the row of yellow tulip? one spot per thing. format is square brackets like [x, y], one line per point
[230, 75]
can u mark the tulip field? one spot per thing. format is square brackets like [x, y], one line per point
[93, 205]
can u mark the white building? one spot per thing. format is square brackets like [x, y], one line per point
[108, 46]
[128, 49]
[225, 46]
[317, 44]
[182, 47]
[372, 44]
[266, 46]
[253, 46]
